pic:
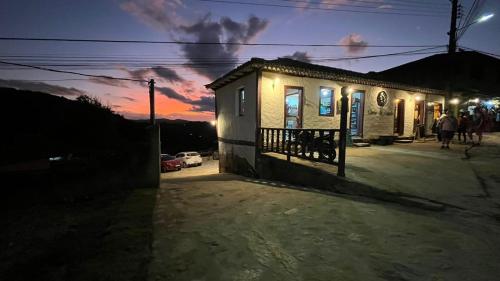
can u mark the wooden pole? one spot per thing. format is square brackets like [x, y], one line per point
[343, 131]
[152, 118]
[452, 45]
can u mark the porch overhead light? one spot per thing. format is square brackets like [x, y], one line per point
[454, 101]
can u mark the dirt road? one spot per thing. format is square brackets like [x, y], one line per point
[226, 227]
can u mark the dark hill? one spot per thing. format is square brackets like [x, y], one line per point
[183, 135]
[38, 125]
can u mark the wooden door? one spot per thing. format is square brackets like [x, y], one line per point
[399, 117]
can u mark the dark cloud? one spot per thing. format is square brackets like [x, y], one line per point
[129, 99]
[355, 43]
[203, 104]
[109, 82]
[159, 72]
[223, 57]
[165, 15]
[139, 74]
[167, 74]
[300, 56]
[41, 87]
[171, 93]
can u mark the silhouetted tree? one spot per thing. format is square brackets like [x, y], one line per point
[93, 101]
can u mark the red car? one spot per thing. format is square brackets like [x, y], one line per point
[169, 163]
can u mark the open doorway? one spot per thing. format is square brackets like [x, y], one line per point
[357, 108]
[399, 117]
[419, 118]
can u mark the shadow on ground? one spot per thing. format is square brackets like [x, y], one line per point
[54, 233]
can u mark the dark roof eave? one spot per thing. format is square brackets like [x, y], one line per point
[322, 73]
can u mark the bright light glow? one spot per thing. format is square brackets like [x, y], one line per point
[476, 100]
[490, 103]
[430, 104]
[350, 90]
[396, 100]
[485, 18]
[418, 98]
[454, 101]
[213, 123]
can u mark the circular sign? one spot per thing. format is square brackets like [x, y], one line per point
[382, 98]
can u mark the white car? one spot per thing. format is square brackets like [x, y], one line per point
[190, 158]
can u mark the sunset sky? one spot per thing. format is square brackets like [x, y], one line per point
[182, 70]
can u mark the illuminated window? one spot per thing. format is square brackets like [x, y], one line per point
[241, 101]
[325, 101]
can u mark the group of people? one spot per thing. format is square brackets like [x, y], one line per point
[465, 125]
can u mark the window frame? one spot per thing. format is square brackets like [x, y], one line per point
[240, 106]
[332, 102]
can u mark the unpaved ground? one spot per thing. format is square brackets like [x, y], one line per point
[225, 227]
[425, 170]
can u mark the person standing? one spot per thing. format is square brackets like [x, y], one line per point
[463, 123]
[479, 124]
[447, 126]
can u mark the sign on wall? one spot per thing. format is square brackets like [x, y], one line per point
[382, 98]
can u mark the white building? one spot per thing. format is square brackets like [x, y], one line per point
[286, 93]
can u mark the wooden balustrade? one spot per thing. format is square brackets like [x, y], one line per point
[318, 145]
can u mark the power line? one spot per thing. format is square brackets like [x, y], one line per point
[216, 64]
[482, 52]
[379, 4]
[71, 72]
[401, 3]
[322, 9]
[49, 80]
[201, 43]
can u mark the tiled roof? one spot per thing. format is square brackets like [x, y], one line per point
[298, 68]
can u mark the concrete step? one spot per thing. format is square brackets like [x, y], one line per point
[403, 141]
[361, 144]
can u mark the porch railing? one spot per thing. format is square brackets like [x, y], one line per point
[319, 145]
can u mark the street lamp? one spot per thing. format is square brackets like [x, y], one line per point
[485, 18]
[479, 20]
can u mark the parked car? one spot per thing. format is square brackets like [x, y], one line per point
[189, 158]
[170, 163]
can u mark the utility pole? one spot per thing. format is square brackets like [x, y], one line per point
[452, 45]
[152, 101]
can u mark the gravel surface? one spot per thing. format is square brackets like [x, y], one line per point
[226, 227]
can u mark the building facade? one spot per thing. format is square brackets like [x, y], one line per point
[285, 93]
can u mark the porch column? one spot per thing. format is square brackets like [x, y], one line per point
[343, 131]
